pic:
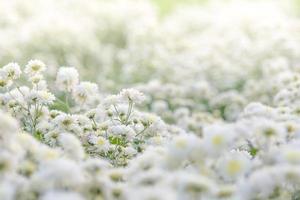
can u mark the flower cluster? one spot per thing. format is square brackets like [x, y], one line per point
[179, 109]
[113, 149]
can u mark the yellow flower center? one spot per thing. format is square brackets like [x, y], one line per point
[293, 156]
[181, 143]
[217, 140]
[233, 167]
[101, 141]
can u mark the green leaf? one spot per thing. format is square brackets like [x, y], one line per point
[253, 151]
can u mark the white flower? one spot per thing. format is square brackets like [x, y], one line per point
[71, 146]
[260, 184]
[149, 193]
[12, 71]
[102, 144]
[7, 190]
[65, 121]
[256, 109]
[59, 173]
[191, 185]
[182, 146]
[122, 130]
[84, 92]
[217, 138]
[130, 151]
[34, 68]
[40, 96]
[61, 195]
[111, 100]
[8, 164]
[45, 97]
[94, 166]
[268, 131]
[289, 153]
[51, 138]
[36, 79]
[132, 95]
[4, 80]
[234, 164]
[8, 126]
[67, 78]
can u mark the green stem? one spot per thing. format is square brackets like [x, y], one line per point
[67, 102]
[129, 111]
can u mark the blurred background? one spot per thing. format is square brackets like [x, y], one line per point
[166, 6]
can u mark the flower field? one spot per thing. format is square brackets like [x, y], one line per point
[149, 100]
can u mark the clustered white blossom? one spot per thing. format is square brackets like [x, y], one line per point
[206, 103]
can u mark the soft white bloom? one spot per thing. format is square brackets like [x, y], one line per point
[146, 193]
[41, 96]
[268, 131]
[12, 71]
[4, 80]
[58, 173]
[130, 151]
[111, 100]
[46, 97]
[217, 138]
[34, 68]
[61, 195]
[122, 130]
[132, 95]
[65, 121]
[84, 92]
[101, 143]
[71, 146]
[8, 126]
[66, 78]
[7, 191]
[234, 165]
[182, 146]
[36, 79]
[94, 165]
[289, 153]
[189, 185]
